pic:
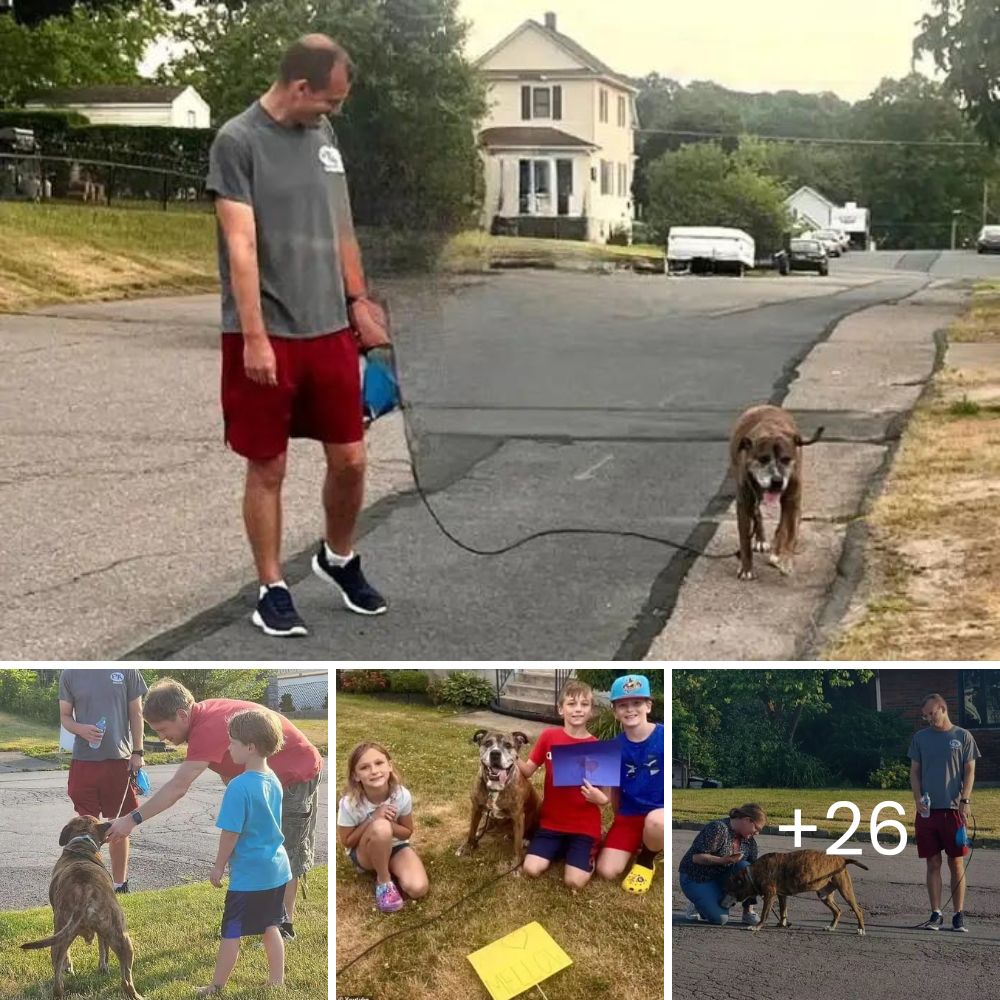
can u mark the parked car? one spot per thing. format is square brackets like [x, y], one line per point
[804, 255]
[709, 250]
[988, 240]
[831, 239]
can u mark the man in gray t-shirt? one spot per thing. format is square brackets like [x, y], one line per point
[294, 314]
[943, 767]
[100, 775]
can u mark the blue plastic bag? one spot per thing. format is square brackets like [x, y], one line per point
[141, 780]
[379, 388]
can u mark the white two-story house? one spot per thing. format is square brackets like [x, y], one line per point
[558, 143]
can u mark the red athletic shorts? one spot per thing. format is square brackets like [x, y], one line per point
[318, 395]
[96, 788]
[937, 832]
[625, 833]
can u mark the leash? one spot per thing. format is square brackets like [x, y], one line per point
[412, 447]
[429, 920]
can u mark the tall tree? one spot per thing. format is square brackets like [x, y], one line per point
[408, 129]
[963, 38]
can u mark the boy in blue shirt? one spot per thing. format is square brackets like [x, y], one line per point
[252, 843]
[638, 802]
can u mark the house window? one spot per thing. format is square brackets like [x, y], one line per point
[602, 113]
[541, 102]
[622, 180]
[191, 119]
[980, 706]
[621, 111]
[607, 177]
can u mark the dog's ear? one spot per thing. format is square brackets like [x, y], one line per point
[745, 444]
[798, 440]
[102, 831]
[66, 833]
[520, 739]
[477, 736]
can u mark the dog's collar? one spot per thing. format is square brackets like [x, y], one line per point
[87, 837]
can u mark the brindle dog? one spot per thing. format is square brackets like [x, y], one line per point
[783, 875]
[84, 904]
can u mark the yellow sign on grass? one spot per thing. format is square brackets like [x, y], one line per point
[518, 961]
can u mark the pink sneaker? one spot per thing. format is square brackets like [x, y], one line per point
[387, 897]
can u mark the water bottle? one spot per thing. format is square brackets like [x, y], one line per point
[102, 724]
[925, 805]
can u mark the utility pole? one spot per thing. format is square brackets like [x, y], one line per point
[955, 213]
[986, 201]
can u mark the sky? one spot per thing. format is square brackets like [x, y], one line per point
[846, 46]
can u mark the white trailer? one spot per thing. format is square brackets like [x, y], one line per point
[709, 250]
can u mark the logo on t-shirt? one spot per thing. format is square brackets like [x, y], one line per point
[955, 744]
[117, 677]
[333, 162]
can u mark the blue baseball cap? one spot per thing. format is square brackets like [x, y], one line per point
[630, 686]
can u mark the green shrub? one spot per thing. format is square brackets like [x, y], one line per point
[286, 705]
[30, 693]
[465, 689]
[895, 775]
[408, 681]
[604, 725]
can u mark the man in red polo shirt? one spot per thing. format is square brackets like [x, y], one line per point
[171, 711]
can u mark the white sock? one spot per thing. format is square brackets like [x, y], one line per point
[334, 559]
[118, 885]
[264, 587]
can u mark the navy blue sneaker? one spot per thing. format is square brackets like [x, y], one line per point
[123, 888]
[958, 923]
[357, 593]
[935, 922]
[276, 615]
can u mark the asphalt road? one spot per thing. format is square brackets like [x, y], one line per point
[174, 848]
[892, 961]
[549, 399]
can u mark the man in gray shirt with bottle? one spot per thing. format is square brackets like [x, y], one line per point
[942, 773]
[102, 708]
[295, 313]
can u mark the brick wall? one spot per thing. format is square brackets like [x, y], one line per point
[903, 690]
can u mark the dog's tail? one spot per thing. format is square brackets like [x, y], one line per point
[64, 935]
[813, 440]
[851, 861]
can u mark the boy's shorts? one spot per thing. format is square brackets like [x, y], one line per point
[318, 395]
[253, 912]
[353, 855]
[625, 833]
[578, 849]
[96, 788]
[936, 833]
[299, 808]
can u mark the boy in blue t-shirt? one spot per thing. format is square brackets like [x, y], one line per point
[638, 802]
[252, 843]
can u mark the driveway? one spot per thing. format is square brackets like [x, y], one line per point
[892, 961]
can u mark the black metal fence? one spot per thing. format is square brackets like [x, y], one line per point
[33, 178]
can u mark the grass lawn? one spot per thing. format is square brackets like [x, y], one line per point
[930, 589]
[701, 805]
[174, 932]
[615, 940]
[35, 739]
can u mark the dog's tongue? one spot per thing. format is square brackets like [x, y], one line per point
[502, 778]
[771, 497]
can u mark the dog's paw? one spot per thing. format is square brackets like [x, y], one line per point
[746, 574]
[754, 929]
[783, 564]
[761, 545]
[829, 928]
[861, 931]
[463, 849]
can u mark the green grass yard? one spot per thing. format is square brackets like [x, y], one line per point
[175, 935]
[615, 940]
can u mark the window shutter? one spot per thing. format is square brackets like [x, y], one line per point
[557, 103]
[525, 103]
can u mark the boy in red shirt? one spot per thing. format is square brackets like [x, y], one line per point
[570, 825]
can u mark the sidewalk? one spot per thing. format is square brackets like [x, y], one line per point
[860, 384]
